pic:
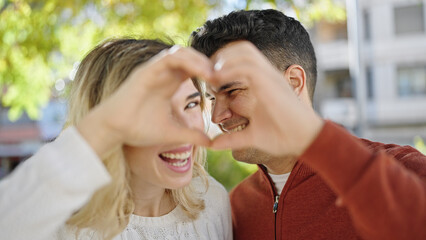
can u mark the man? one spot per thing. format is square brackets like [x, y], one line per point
[338, 186]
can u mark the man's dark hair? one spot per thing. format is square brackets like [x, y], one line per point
[282, 39]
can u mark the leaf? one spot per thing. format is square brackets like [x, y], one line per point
[15, 113]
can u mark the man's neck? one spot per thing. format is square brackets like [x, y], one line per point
[280, 165]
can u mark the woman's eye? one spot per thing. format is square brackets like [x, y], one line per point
[192, 104]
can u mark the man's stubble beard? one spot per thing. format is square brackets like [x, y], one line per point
[251, 156]
[275, 164]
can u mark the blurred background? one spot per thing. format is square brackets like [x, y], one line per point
[371, 63]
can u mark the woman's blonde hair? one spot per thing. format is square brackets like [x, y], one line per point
[100, 73]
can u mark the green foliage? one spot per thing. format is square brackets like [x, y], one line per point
[307, 11]
[41, 40]
[327, 10]
[223, 167]
[419, 144]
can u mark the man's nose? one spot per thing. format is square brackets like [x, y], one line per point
[220, 112]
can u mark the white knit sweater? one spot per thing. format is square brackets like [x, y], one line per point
[44, 191]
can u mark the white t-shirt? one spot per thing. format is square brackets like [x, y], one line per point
[279, 181]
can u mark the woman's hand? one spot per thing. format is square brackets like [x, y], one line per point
[139, 113]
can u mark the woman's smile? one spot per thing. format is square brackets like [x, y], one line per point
[179, 159]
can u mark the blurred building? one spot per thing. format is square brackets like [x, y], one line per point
[393, 63]
[22, 138]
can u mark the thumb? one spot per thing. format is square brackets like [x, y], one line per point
[187, 135]
[236, 140]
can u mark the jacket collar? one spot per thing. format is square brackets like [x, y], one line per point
[300, 173]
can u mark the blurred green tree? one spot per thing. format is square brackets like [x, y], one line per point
[307, 11]
[41, 40]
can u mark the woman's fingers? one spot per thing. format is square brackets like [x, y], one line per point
[159, 79]
[187, 60]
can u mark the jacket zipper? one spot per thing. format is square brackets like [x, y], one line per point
[275, 207]
[274, 210]
[277, 196]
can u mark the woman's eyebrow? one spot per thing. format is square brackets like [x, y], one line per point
[196, 94]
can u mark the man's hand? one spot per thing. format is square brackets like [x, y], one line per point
[279, 123]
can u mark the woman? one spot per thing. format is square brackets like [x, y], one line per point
[137, 112]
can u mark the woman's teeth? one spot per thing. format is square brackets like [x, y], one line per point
[180, 156]
[178, 161]
[179, 164]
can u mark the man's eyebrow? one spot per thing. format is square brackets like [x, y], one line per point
[221, 88]
[194, 95]
[226, 86]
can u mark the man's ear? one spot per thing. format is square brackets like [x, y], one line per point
[296, 77]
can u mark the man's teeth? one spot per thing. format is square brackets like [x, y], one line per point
[239, 128]
[181, 156]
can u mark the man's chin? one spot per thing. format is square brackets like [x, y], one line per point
[247, 155]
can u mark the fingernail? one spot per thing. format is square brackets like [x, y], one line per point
[218, 65]
[174, 49]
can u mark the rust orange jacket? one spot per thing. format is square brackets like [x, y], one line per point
[341, 187]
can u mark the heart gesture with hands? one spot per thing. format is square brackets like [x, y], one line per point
[139, 112]
[279, 123]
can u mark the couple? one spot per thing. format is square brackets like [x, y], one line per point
[130, 163]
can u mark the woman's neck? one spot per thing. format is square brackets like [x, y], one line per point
[151, 201]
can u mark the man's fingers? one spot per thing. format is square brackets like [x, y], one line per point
[235, 140]
[186, 135]
[240, 73]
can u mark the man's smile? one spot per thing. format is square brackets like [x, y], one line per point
[234, 128]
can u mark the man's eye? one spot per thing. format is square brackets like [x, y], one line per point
[233, 91]
[192, 104]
